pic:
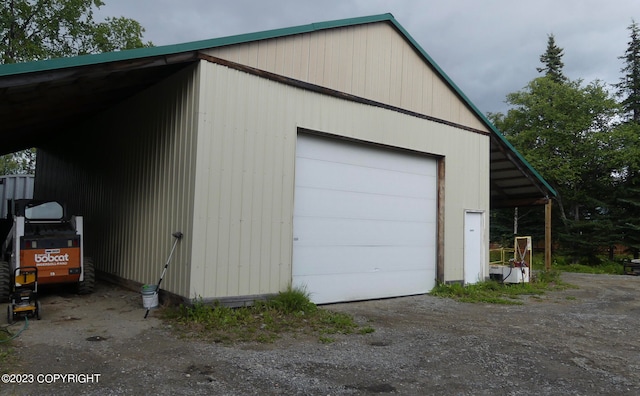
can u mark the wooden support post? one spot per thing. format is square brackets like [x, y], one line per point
[440, 254]
[547, 235]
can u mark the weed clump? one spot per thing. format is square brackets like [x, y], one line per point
[289, 312]
[292, 301]
[494, 292]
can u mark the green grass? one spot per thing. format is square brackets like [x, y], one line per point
[565, 264]
[604, 268]
[7, 356]
[494, 292]
[289, 312]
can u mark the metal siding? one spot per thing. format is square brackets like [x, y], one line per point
[14, 187]
[413, 74]
[136, 194]
[396, 73]
[372, 61]
[300, 57]
[243, 250]
[250, 136]
[358, 82]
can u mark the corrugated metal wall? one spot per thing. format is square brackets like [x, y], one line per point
[245, 175]
[371, 61]
[14, 187]
[130, 172]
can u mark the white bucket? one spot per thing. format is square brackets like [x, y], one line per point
[149, 296]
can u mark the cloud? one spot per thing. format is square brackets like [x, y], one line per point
[488, 48]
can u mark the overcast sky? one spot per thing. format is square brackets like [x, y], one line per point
[489, 48]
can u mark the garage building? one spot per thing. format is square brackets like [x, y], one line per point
[334, 156]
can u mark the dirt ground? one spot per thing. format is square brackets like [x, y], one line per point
[582, 341]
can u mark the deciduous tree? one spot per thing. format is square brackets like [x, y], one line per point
[42, 29]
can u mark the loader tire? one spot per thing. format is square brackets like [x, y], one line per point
[5, 281]
[89, 282]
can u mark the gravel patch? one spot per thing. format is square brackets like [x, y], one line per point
[579, 341]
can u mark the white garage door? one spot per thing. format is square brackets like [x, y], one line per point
[364, 221]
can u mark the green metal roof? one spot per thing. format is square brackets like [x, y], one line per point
[141, 53]
[84, 60]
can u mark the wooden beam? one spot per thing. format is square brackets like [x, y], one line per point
[547, 235]
[440, 226]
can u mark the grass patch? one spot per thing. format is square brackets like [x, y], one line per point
[604, 268]
[7, 356]
[494, 292]
[565, 264]
[289, 312]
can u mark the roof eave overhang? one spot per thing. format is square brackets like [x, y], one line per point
[83, 68]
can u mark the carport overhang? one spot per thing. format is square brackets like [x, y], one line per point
[513, 181]
[38, 105]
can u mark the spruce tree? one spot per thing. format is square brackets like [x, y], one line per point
[629, 86]
[552, 61]
[628, 183]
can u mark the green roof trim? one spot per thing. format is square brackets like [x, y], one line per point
[139, 53]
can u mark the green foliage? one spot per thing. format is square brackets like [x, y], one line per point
[483, 292]
[7, 356]
[552, 61]
[338, 323]
[292, 301]
[19, 163]
[629, 85]
[493, 292]
[586, 145]
[117, 34]
[366, 330]
[562, 263]
[326, 340]
[561, 129]
[566, 131]
[42, 29]
[530, 223]
[288, 312]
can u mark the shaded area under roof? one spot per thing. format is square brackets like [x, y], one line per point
[38, 99]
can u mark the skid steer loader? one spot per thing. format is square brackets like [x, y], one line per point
[40, 234]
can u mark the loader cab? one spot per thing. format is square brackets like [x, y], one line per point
[36, 210]
[51, 210]
[42, 235]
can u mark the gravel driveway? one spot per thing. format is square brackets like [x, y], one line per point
[580, 341]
